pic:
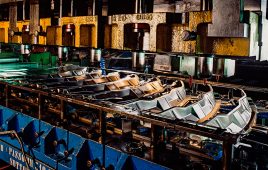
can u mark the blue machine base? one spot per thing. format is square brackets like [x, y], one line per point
[56, 148]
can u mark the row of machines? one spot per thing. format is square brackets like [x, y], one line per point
[190, 27]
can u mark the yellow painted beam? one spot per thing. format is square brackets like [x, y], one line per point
[4, 25]
[44, 23]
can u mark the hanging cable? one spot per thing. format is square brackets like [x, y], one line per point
[20, 142]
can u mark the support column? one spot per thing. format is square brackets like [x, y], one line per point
[40, 106]
[77, 35]
[97, 10]
[154, 142]
[7, 93]
[72, 8]
[34, 21]
[153, 35]
[102, 140]
[13, 10]
[60, 8]
[23, 10]
[227, 155]
[62, 109]
[120, 37]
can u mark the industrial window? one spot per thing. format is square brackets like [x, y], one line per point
[4, 12]
[20, 11]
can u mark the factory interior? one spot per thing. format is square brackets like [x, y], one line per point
[133, 84]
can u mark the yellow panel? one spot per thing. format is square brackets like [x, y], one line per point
[44, 23]
[223, 46]
[59, 36]
[4, 25]
[17, 39]
[78, 21]
[119, 21]
[2, 34]
[54, 35]
[114, 38]
[204, 44]
[107, 36]
[178, 45]
[195, 18]
[231, 46]
[20, 26]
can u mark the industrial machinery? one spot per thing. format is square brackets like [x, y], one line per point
[133, 84]
[158, 119]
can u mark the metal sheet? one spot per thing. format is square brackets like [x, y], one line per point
[236, 120]
[226, 19]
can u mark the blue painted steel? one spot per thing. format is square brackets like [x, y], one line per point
[214, 150]
[49, 147]
[14, 157]
[102, 66]
[262, 115]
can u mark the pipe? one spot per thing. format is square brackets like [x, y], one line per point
[206, 5]
[60, 8]
[60, 54]
[23, 10]
[72, 8]
[140, 10]
[94, 8]
[260, 31]
[34, 21]
[136, 6]
[91, 56]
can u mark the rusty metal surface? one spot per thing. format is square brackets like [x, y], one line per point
[195, 18]
[225, 46]
[12, 14]
[231, 46]
[12, 22]
[34, 21]
[226, 20]
[199, 22]
[187, 6]
[119, 21]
